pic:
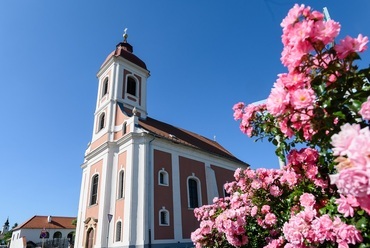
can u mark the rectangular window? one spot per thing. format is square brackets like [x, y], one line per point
[193, 193]
[121, 185]
[94, 190]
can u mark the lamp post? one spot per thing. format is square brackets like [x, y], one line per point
[109, 219]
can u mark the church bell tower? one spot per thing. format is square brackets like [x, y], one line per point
[111, 157]
[122, 89]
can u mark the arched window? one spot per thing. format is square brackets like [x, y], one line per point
[163, 177]
[94, 190]
[90, 238]
[105, 87]
[164, 217]
[121, 184]
[70, 238]
[101, 121]
[124, 128]
[193, 192]
[131, 86]
[56, 238]
[118, 231]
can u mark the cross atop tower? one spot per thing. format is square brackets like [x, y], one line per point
[125, 35]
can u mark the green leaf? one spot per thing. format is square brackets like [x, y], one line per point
[361, 223]
[357, 105]
[339, 114]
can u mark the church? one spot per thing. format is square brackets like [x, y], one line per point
[142, 178]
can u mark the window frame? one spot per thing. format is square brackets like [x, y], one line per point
[105, 87]
[121, 184]
[131, 85]
[165, 181]
[56, 240]
[118, 234]
[164, 214]
[191, 198]
[94, 190]
[101, 122]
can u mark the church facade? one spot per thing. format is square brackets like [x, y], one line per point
[143, 178]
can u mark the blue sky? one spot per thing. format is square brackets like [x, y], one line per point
[203, 56]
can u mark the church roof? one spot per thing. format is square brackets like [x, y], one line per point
[56, 222]
[185, 137]
[125, 50]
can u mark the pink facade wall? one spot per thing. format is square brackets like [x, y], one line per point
[99, 142]
[163, 195]
[187, 168]
[120, 203]
[120, 119]
[222, 176]
[93, 211]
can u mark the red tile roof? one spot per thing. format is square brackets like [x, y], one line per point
[182, 136]
[39, 222]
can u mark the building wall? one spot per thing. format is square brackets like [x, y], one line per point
[163, 195]
[22, 236]
[223, 176]
[190, 168]
[141, 156]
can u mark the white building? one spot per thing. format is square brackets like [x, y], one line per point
[44, 231]
[142, 178]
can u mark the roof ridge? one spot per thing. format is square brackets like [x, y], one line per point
[186, 137]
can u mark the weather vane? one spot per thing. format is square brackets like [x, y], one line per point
[125, 35]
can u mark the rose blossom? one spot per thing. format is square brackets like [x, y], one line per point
[353, 182]
[349, 45]
[307, 200]
[302, 98]
[277, 100]
[365, 110]
[270, 219]
[342, 140]
[346, 204]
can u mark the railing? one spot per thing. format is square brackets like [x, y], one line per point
[55, 243]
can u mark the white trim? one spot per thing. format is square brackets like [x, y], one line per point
[115, 232]
[167, 217]
[91, 189]
[199, 188]
[136, 96]
[99, 128]
[103, 81]
[123, 186]
[212, 189]
[166, 181]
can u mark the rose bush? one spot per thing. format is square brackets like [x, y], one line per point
[321, 197]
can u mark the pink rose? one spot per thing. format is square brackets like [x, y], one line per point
[302, 98]
[365, 110]
[307, 200]
[349, 45]
[353, 182]
[270, 219]
[277, 100]
[346, 204]
[343, 139]
[265, 209]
